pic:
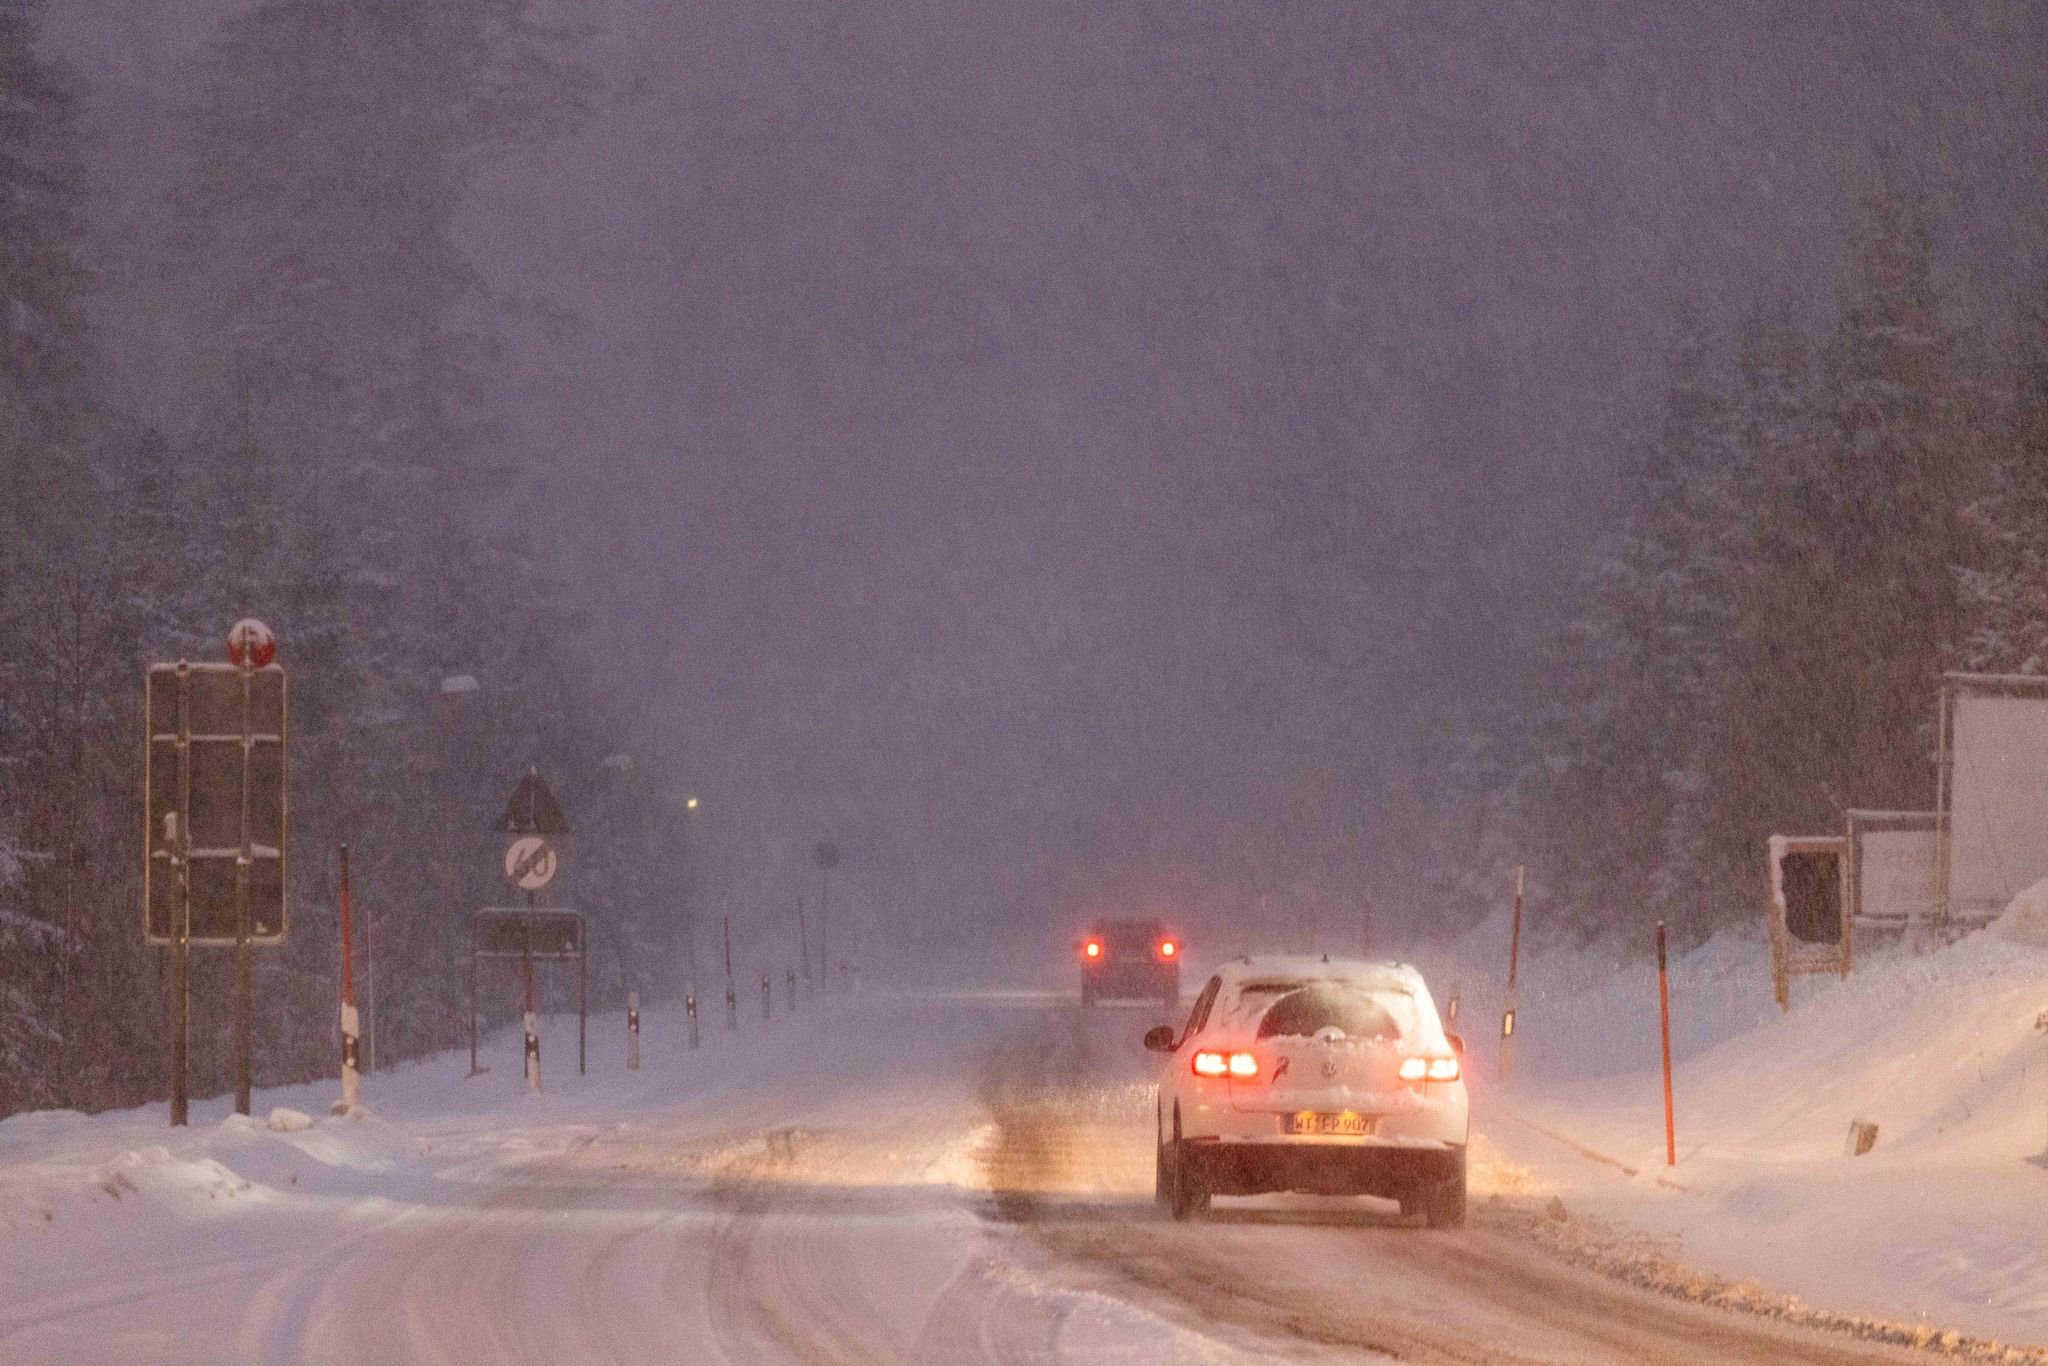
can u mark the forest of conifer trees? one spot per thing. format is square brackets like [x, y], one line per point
[262, 400]
[1066, 466]
[1816, 518]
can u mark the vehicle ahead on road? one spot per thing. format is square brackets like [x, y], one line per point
[1130, 960]
[1304, 1074]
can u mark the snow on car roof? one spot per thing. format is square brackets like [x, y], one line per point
[1317, 968]
[1242, 1001]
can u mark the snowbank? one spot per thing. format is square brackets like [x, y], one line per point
[1943, 1052]
[2025, 921]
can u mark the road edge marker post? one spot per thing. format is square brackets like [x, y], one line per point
[1507, 1014]
[351, 1026]
[732, 1000]
[1664, 1021]
[767, 997]
[632, 1031]
[690, 1009]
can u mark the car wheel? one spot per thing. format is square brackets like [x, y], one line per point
[1190, 1194]
[1444, 1203]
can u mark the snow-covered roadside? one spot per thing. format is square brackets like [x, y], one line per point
[1940, 1221]
[148, 1231]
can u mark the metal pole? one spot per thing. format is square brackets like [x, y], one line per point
[526, 993]
[789, 974]
[690, 1008]
[181, 928]
[824, 927]
[1664, 1020]
[632, 1031]
[472, 996]
[1507, 1017]
[243, 856]
[732, 1000]
[767, 998]
[803, 939]
[351, 1078]
[370, 979]
[582, 1000]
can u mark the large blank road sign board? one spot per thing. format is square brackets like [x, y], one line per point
[516, 932]
[1994, 791]
[205, 793]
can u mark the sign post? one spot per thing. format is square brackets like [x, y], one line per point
[1808, 909]
[531, 934]
[533, 818]
[214, 778]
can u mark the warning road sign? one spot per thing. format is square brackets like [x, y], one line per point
[530, 863]
[533, 809]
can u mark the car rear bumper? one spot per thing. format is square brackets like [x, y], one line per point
[1151, 981]
[1388, 1170]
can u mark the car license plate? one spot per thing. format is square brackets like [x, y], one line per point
[1356, 1126]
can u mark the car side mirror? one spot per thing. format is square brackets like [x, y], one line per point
[1159, 1039]
[1457, 1043]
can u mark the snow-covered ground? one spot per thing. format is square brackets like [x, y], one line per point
[820, 1183]
[1940, 1222]
[523, 1222]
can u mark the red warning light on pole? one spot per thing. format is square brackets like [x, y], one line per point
[1093, 948]
[251, 644]
[1167, 948]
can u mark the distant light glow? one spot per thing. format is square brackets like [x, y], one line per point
[1167, 948]
[691, 804]
[1093, 948]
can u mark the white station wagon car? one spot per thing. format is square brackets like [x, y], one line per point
[1304, 1074]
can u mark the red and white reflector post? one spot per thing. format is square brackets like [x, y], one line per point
[1664, 1022]
[1507, 1013]
[351, 1026]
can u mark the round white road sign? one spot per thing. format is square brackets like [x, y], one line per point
[530, 863]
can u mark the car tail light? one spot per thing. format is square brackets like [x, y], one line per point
[1429, 1069]
[1167, 948]
[1092, 949]
[1213, 1064]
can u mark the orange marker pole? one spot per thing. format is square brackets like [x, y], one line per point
[1664, 1018]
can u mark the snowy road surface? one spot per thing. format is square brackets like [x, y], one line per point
[893, 1179]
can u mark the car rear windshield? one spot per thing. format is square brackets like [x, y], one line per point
[1132, 936]
[1355, 1012]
